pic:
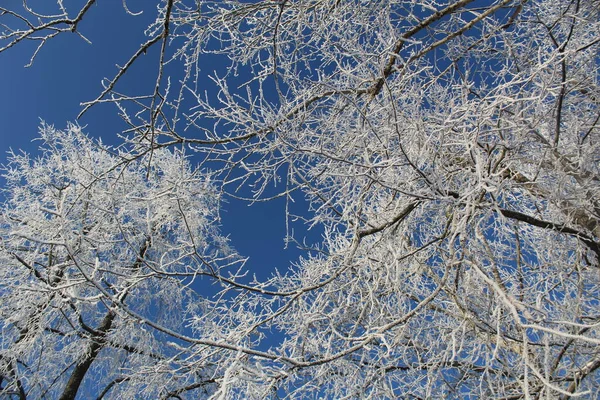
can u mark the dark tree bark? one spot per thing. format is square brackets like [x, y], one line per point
[81, 369]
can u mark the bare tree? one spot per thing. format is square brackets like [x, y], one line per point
[449, 151]
[101, 259]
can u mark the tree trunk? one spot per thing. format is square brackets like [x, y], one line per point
[81, 369]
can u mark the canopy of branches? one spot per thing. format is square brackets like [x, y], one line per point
[449, 151]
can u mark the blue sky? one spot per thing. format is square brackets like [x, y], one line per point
[68, 71]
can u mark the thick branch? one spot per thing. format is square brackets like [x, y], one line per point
[83, 366]
[589, 241]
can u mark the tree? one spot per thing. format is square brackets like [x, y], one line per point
[448, 150]
[97, 250]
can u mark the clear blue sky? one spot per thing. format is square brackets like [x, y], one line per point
[68, 71]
